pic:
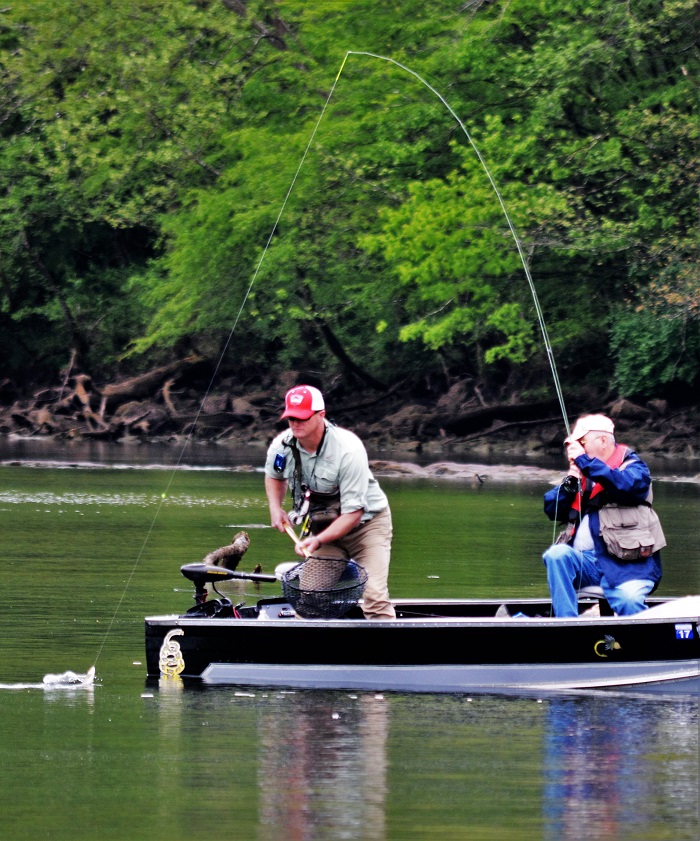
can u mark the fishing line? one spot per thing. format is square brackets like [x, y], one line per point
[219, 362]
[538, 309]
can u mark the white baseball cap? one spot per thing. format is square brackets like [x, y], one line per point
[590, 423]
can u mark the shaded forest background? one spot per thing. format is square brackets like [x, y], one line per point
[149, 148]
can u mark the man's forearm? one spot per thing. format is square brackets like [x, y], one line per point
[276, 490]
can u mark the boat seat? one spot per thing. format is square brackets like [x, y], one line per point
[594, 591]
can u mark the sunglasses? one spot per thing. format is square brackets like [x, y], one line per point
[301, 420]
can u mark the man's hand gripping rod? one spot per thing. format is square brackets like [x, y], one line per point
[290, 531]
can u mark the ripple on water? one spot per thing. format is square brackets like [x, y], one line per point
[143, 500]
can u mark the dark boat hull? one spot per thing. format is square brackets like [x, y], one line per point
[431, 647]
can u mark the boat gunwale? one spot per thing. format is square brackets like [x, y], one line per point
[179, 620]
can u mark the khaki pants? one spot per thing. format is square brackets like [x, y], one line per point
[370, 545]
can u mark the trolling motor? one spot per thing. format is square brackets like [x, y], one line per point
[316, 588]
[202, 574]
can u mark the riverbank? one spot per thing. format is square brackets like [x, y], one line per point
[454, 425]
[161, 418]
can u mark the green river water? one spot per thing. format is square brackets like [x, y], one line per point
[87, 553]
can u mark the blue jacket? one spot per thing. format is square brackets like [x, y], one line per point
[627, 486]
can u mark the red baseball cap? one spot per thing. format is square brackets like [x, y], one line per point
[302, 401]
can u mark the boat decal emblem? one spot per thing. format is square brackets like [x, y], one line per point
[171, 661]
[607, 644]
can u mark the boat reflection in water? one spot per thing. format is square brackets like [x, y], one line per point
[603, 771]
[323, 768]
[321, 764]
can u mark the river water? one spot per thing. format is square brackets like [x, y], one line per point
[88, 552]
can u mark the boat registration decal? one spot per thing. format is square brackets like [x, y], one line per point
[170, 660]
[684, 631]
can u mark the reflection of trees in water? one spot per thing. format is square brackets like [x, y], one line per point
[616, 763]
[323, 768]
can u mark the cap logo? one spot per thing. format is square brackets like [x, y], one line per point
[296, 399]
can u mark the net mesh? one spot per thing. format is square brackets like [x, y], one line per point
[324, 588]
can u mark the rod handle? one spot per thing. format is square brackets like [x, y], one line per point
[290, 531]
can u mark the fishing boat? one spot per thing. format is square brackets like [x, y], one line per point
[460, 645]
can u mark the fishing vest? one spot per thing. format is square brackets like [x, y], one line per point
[630, 532]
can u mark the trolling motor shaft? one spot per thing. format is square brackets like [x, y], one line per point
[203, 574]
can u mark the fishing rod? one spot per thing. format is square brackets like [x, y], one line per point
[516, 239]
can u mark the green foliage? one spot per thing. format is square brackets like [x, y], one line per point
[149, 149]
[656, 341]
[519, 335]
[655, 352]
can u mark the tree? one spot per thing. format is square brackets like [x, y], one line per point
[597, 194]
[149, 148]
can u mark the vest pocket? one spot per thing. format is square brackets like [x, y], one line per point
[631, 532]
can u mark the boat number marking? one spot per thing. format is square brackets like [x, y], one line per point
[684, 631]
[170, 660]
[607, 644]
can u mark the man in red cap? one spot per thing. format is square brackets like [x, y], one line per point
[335, 495]
[612, 537]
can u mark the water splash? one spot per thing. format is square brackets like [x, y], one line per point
[69, 679]
[64, 680]
[123, 499]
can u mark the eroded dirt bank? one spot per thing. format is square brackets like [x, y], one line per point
[452, 435]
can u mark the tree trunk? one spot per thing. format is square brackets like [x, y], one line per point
[79, 340]
[334, 344]
[144, 385]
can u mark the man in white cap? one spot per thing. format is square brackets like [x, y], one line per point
[612, 537]
[334, 492]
